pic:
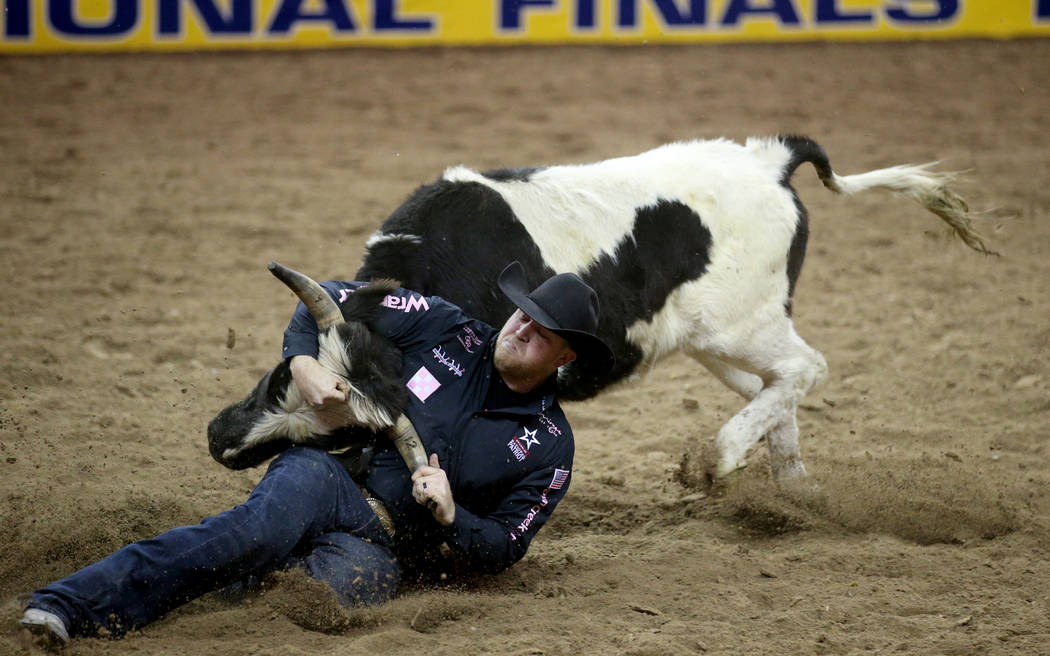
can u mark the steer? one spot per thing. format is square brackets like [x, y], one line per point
[692, 247]
[275, 415]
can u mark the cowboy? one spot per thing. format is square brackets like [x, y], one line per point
[501, 453]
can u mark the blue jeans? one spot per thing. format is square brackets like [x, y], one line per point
[306, 511]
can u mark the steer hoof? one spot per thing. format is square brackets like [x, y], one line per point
[700, 471]
[722, 470]
[718, 485]
[787, 471]
[803, 489]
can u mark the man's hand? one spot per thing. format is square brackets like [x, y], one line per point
[322, 389]
[430, 484]
[318, 385]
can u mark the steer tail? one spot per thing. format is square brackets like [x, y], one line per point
[926, 187]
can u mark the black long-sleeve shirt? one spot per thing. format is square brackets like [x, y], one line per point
[507, 455]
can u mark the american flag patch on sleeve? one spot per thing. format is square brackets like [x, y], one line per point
[560, 476]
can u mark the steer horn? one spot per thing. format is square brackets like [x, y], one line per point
[316, 299]
[408, 444]
[328, 314]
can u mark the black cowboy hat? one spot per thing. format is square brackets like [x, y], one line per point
[565, 305]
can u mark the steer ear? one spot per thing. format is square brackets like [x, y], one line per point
[313, 296]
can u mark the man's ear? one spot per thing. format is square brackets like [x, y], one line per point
[568, 356]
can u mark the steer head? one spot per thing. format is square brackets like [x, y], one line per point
[275, 416]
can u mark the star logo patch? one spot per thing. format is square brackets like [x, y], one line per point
[519, 445]
[528, 439]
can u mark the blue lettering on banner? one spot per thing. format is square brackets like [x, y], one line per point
[784, 10]
[217, 17]
[585, 14]
[237, 21]
[16, 19]
[123, 17]
[829, 12]
[386, 19]
[224, 18]
[510, 12]
[905, 13]
[696, 14]
[1042, 10]
[291, 12]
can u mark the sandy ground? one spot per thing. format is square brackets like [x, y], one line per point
[142, 196]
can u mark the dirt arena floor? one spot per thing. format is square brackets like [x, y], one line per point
[142, 196]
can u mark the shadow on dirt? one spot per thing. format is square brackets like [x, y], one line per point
[923, 501]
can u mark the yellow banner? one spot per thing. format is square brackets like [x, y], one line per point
[39, 26]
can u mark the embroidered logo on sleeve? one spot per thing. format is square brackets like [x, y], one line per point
[469, 339]
[423, 384]
[531, 516]
[560, 476]
[441, 356]
[406, 304]
[519, 445]
[552, 428]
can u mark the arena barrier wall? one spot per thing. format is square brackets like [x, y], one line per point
[43, 26]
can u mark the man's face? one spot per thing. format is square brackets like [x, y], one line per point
[527, 350]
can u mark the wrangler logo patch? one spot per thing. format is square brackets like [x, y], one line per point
[410, 304]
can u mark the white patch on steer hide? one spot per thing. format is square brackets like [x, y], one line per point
[379, 237]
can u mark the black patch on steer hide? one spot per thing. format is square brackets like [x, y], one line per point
[803, 149]
[511, 175]
[469, 234]
[797, 252]
[668, 247]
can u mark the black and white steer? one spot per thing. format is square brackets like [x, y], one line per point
[275, 415]
[692, 247]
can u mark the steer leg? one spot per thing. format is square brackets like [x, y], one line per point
[785, 456]
[789, 369]
[743, 383]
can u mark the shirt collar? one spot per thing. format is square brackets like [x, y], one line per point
[502, 399]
